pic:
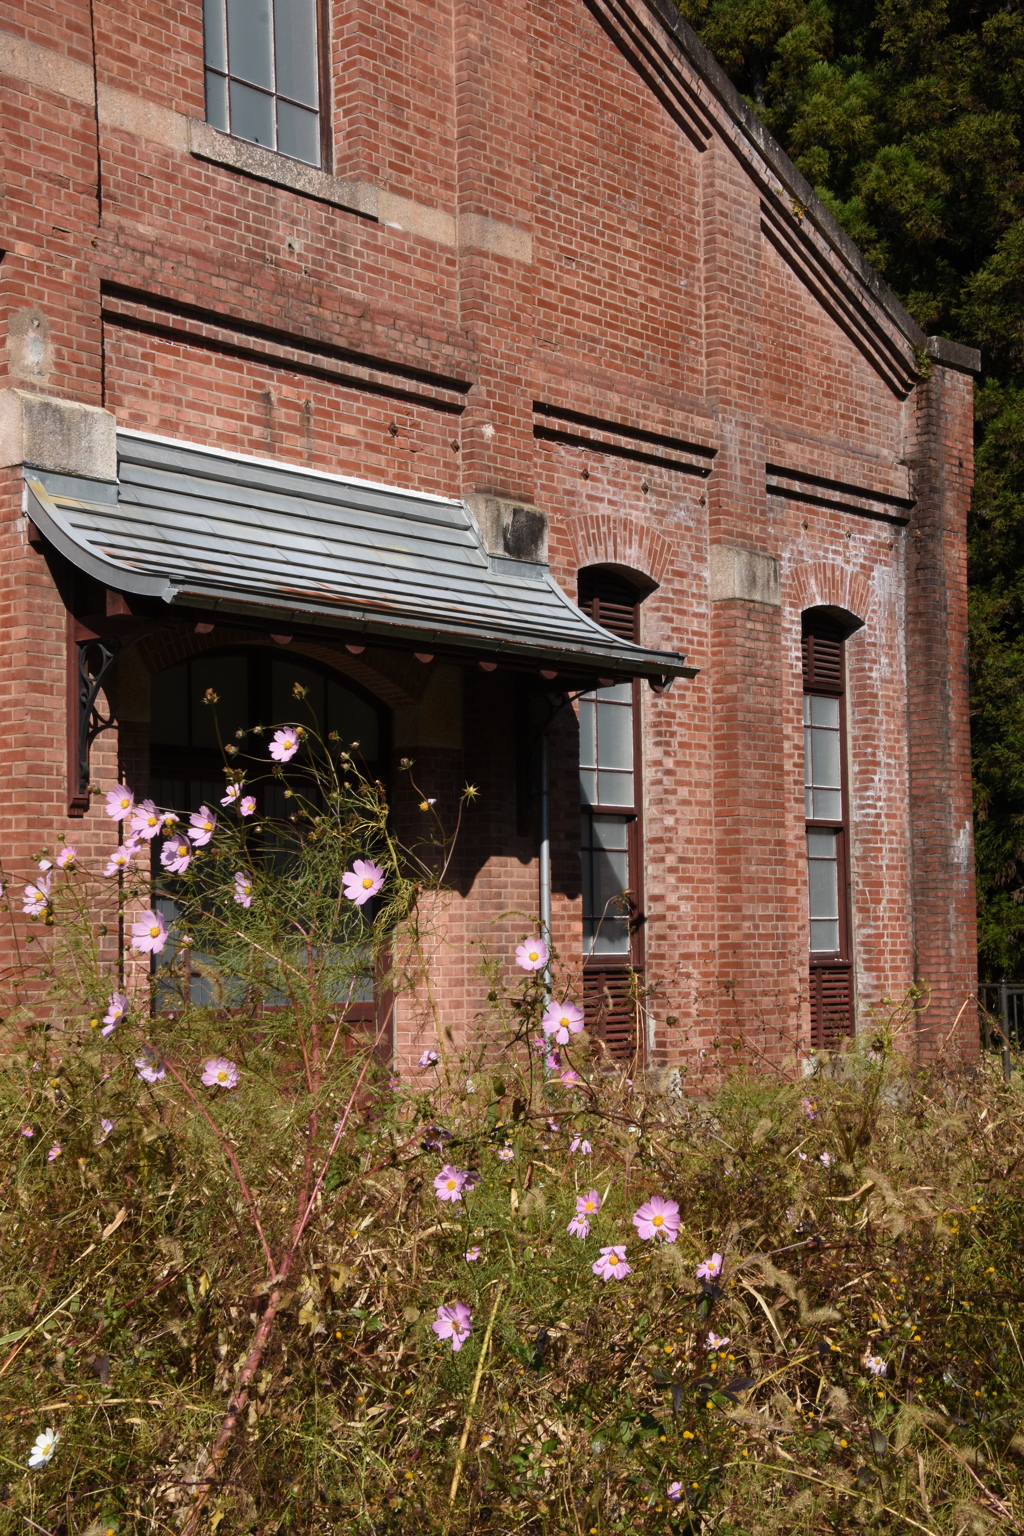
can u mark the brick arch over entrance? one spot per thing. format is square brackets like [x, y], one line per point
[603, 538]
[172, 645]
[826, 585]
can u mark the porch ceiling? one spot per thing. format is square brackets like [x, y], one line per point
[199, 528]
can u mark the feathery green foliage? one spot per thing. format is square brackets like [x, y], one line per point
[907, 117]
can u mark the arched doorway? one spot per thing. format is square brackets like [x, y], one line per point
[254, 685]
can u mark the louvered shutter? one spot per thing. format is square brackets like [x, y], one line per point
[611, 600]
[823, 656]
[831, 1006]
[610, 1011]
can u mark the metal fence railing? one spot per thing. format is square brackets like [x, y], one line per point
[1002, 1018]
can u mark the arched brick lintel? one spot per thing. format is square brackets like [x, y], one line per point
[601, 538]
[823, 584]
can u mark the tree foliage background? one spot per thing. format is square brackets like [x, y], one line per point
[906, 117]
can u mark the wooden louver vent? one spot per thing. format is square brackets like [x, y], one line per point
[823, 657]
[831, 1006]
[610, 600]
[610, 1011]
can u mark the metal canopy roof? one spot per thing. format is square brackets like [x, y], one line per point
[200, 528]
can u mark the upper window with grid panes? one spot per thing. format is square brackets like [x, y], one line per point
[263, 74]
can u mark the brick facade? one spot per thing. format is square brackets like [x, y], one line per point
[553, 258]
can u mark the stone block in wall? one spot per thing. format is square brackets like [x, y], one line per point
[512, 530]
[59, 435]
[745, 575]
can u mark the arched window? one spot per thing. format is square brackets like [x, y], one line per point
[611, 835]
[827, 829]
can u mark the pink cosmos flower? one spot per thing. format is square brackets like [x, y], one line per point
[120, 802]
[67, 856]
[44, 865]
[243, 889]
[449, 1183]
[150, 1068]
[810, 1109]
[54, 1152]
[146, 820]
[711, 1268]
[168, 820]
[875, 1364]
[362, 881]
[27, 1130]
[37, 897]
[176, 855]
[612, 1265]
[149, 934]
[674, 1492]
[657, 1218]
[552, 1061]
[202, 823]
[825, 1160]
[569, 1078]
[562, 1020]
[506, 1153]
[578, 1144]
[714, 1342]
[472, 1254]
[532, 955]
[588, 1205]
[455, 1323]
[120, 858]
[106, 1126]
[428, 1059]
[233, 792]
[117, 1007]
[284, 745]
[578, 1227]
[247, 805]
[218, 1072]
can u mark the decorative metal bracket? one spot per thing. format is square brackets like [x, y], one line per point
[95, 659]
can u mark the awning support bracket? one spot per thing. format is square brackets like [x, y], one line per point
[95, 659]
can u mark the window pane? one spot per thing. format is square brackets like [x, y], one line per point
[828, 805]
[252, 115]
[605, 869]
[295, 50]
[822, 888]
[614, 788]
[612, 938]
[250, 50]
[298, 133]
[807, 709]
[824, 711]
[825, 758]
[825, 937]
[614, 736]
[821, 844]
[588, 733]
[214, 35]
[611, 832]
[228, 676]
[169, 706]
[217, 101]
[588, 786]
[808, 762]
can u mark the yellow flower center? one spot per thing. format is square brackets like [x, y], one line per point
[222, 1077]
[367, 882]
[564, 1021]
[154, 932]
[533, 955]
[151, 821]
[450, 1184]
[657, 1221]
[288, 741]
[125, 804]
[613, 1258]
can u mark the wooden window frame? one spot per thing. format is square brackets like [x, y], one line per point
[606, 977]
[829, 968]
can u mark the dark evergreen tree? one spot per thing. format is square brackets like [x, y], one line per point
[907, 117]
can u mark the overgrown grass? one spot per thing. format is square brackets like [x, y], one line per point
[222, 1298]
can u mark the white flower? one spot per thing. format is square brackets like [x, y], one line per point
[43, 1450]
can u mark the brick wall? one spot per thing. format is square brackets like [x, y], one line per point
[554, 234]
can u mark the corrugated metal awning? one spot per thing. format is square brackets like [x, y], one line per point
[202, 529]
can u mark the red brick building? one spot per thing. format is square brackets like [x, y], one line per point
[393, 348]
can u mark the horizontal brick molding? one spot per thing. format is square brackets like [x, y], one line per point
[744, 575]
[556, 424]
[59, 435]
[818, 491]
